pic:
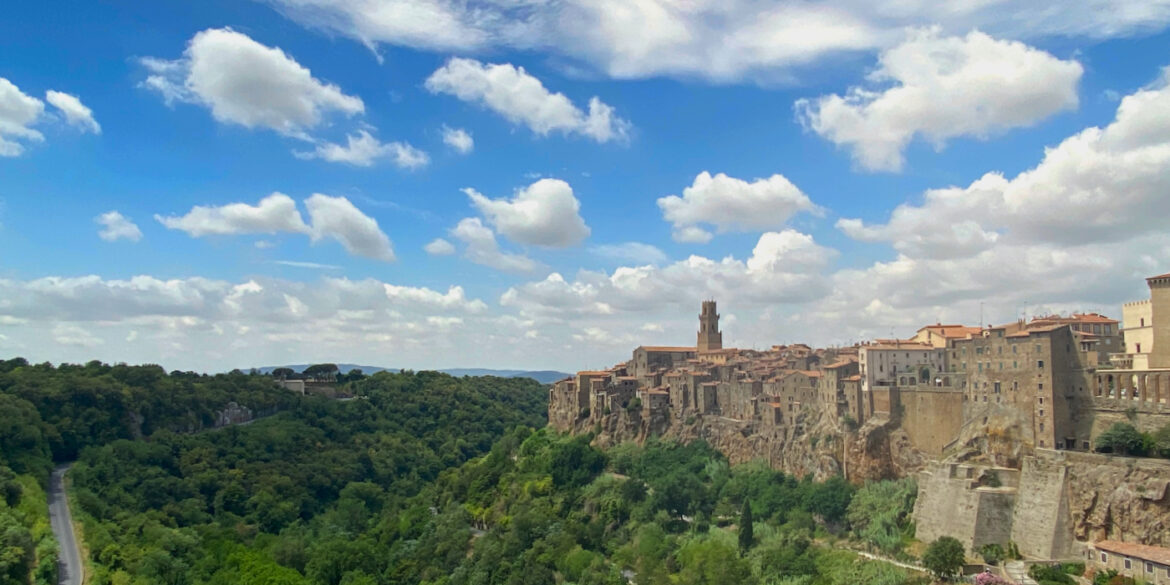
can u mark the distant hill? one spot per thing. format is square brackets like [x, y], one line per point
[542, 376]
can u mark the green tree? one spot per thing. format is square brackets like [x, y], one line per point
[1123, 439]
[283, 373]
[746, 534]
[944, 558]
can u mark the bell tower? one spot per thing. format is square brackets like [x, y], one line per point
[710, 337]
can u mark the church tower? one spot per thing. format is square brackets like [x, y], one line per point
[710, 337]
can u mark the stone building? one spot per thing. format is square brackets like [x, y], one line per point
[1142, 376]
[1144, 563]
[938, 335]
[709, 336]
[1037, 371]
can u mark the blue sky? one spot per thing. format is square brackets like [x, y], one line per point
[823, 118]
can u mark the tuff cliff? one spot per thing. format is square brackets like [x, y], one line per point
[812, 445]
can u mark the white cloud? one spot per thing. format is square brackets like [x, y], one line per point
[482, 248]
[522, 99]
[720, 40]
[117, 226]
[732, 204]
[544, 213]
[329, 217]
[76, 113]
[275, 213]
[215, 325]
[636, 252]
[785, 267]
[337, 218]
[247, 83]
[1100, 185]
[73, 335]
[18, 112]
[363, 150]
[300, 264]
[458, 139]
[439, 247]
[942, 88]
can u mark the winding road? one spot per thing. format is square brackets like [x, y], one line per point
[70, 569]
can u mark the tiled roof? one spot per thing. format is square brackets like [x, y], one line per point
[667, 348]
[1145, 552]
[1167, 275]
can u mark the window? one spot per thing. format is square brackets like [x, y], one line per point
[1149, 567]
[1001, 366]
[1041, 401]
[1128, 564]
[1040, 386]
[999, 350]
[1015, 349]
[1015, 385]
[1041, 428]
[997, 387]
[979, 350]
[1038, 348]
[1139, 348]
[1143, 322]
[1104, 557]
[1040, 364]
[1015, 365]
[1042, 414]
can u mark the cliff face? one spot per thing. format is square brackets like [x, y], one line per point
[811, 445]
[1119, 498]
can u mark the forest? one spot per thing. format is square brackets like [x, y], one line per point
[422, 478]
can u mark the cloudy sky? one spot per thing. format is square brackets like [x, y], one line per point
[548, 183]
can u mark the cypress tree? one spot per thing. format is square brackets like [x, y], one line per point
[745, 527]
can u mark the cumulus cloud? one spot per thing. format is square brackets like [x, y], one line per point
[522, 99]
[636, 252]
[363, 150]
[335, 218]
[247, 83]
[75, 112]
[18, 113]
[439, 247]
[214, 325]
[458, 139]
[482, 248]
[732, 204]
[1100, 185]
[116, 226]
[784, 267]
[942, 88]
[720, 40]
[275, 213]
[73, 335]
[544, 213]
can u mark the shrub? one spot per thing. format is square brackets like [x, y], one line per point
[944, 558]
[1050, 575]
[992, 553]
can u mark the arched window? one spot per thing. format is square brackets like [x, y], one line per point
[902, 381]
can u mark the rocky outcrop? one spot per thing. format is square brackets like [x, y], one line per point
[811, 445]
[1119, 498]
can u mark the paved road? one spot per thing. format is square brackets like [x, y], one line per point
[69, 560]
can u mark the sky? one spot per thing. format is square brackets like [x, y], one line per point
[546, 184]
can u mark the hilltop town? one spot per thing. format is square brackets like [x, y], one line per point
[999, 423]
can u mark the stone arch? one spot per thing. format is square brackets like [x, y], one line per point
[1111, 386]
[902, 381]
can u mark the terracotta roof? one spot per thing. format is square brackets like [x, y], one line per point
[891, 344]
[1167, 275]
[667, 348]
[839, 364]
[659, 392]
[811, 373]
[1145, 552]
[941, 326]
[854, 378]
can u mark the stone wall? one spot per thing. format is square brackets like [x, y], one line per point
[1041, 524]
[931, 416]
[955, 500]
